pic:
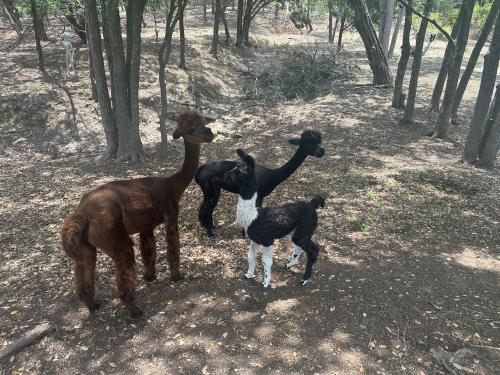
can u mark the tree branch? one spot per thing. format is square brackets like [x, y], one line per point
[443, 31]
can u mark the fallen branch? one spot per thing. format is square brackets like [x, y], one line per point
[430, 20]
[30, 337]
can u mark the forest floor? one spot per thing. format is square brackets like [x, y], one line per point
[411, 242]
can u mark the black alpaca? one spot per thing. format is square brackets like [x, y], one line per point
[264, 225]
[210, 176]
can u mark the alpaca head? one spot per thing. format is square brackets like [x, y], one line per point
[310, 143]
[243, 175]
[191, 126]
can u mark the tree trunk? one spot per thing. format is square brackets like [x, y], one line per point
[443, 72]
[386, 24]
[215, 35]
[205, 11]
[341, 32]
[36, 27]
[9, 9]
[182, 38]
[247, 19]
[163, 58]
[488, 78]
[239, 23]
[376, 57]
[226, 27]
[77, 23]
[415, 70]
[398, 99]
[488, 25]
[91, 68]
[441, 129]
[395, 33]
[491, 136]
[94, 43]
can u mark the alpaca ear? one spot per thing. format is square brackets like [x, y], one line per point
[250, 162]
[177, 134]
[294, 141]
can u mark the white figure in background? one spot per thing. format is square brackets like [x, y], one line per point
[70, 54]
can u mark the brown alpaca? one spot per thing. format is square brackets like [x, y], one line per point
[108, 215]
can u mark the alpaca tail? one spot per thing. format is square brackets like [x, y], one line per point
[317, 202]
[73, 235]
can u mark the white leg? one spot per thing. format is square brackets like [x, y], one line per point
[252, 254]
[294, 259]
[267, 263]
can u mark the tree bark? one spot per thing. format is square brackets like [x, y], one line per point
[395, 33]
[226, 27]
[441, 129]
[417, 60]
[215, 35]
[163, 58]
[341, 32]
[94, 44]
[386, 25]
[376, 57]
[491, 136]
[488, 78]
[239, 23]
[36, 27]
[182, 38]
[205, 11]
[398, 97]
[443, 72]
[488, 25]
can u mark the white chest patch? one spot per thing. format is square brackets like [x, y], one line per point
[246, 212]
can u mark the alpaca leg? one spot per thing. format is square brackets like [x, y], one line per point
[85, 278]
[294, 259]
[173, 245]
[252, 254]
[211, 194]
[267, 263]
[312, 255]
[126, 278]
[148, 254]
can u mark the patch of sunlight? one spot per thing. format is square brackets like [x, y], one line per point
[477, 260]
[282, 306]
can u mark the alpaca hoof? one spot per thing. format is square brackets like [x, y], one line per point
[248, 276]
[265, 285]
[150, 278]
[304, 282]
[177, 276]
[210, 233]
[135, 313]
[94, 306]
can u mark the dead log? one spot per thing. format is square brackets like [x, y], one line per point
[30, 337]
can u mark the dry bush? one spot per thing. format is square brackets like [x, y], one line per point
[303, 72]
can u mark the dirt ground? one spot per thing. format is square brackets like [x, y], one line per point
[411, 241]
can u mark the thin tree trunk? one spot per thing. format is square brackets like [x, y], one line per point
[14, 24]
[471, 64]
[36, 27]
[387, 25]
[491, 136]
[226, 27]
[417, 60]
[398, 99]
[441, 129]
[395, 33]
[91, 68]
[163, 58]
[488, 78]
[182, 38]
[330, 23]
[376, 57]
[247, 19]
[94, 38]
[341, 32]
[205, 11]
[443, 72]
[239, 23]
[215, 35]
[334, 29]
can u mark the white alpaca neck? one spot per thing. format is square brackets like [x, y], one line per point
[246, 211]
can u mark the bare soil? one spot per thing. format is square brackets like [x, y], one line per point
[411, 241]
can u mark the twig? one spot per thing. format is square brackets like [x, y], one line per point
[30, 337]
[430, 20]
[404, 337]
[487, 346]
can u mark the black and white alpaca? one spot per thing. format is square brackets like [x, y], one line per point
[210, 176]
[264, 225]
